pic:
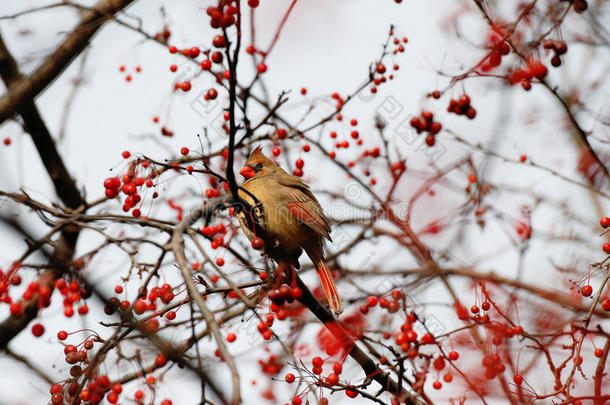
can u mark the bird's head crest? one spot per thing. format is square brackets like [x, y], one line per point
[258, 164]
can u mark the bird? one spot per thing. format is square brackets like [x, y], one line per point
[292, 219]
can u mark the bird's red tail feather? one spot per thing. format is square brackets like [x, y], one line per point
[330, 289]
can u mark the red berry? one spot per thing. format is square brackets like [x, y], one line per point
[194, 52]
[206, 64]
[606, 247]
[217, 57]
[351, 393]
[140, 307]
[437, 385]
[37, 329]
[586, 290]
[317, 361]
[212, 94]
[257, 243]
[289, 378]
[580, 6]
[219, 41]
[332, 379]
[126, 154]
[606, 304]
[439, 363]
[16, 309]
[231, 337]
[598, 352]
[261, 67]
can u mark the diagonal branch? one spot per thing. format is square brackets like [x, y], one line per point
[368, 365]
[177, 246]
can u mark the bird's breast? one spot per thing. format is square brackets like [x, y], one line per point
[277, 218]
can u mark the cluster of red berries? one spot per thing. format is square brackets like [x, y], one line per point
[501, 332]
[330, 380]
[499, 48]
[374, 153]
[391, 303]
[271, 366]
[558, 47]
[463, 313]
[425, 123]
[11, 277]
[493, 365]
[381, 69]
[283, 294]
[298, 171]
[94, 392]
[278, 297]
[96, 389]
[72, 293]
[462, 106]
[128, 77]
[210, 231]
[534, 68]
[439, 364]
[222, 16]
[164, 293]
[129, 184]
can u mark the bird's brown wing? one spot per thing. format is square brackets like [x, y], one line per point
[303, 205]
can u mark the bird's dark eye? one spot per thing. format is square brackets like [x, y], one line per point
[258, 167]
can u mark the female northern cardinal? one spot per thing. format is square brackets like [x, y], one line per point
[292, 218]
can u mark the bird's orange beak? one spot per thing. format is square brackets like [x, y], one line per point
[247, 172]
